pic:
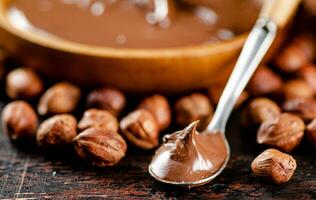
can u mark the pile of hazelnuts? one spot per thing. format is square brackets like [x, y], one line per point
[100, 134]
[282, 106]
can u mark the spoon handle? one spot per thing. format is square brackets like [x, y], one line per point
[255, 48]
[279, 11]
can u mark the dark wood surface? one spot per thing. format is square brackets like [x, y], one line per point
[26, 172]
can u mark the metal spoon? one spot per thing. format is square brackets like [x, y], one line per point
[275, 14]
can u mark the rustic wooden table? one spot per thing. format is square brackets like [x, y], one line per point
[25, 172]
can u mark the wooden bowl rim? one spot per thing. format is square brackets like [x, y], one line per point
[59, 44]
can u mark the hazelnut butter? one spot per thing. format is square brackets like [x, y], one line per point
[189, 156]
[123, 23]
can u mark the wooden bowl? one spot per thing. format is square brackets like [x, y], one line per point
[132, 70]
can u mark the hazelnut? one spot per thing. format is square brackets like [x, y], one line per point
[291, 59]
[61, 98]
[159, 106]
[23, 83]
[141, 128]
[284, 132]
[19, 120]
[310, 6]
[216, 90]
[307, 44]
[263, 82]
[305, 108]
[274, 165]
[108, 99]
[311, 132]
[297, 89]
[57, 131]
[308, 74]
[195, 107]
[260, 110]
[101, 147]
[98, 118]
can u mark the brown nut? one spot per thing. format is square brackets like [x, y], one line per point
[310, 6]
[284, 132]
[57, 131]
[100, 147]
[263, 82]
[159, 106]
[305, 108]
[19, 120]
[216, 90]
[308, 74]
[274, 165]
[23, 83]
[291, 59]
[195, 107]
[98, 118]
[141, 128]
[297, 89]
[311, 132]
[260, 110]
[108, 99]
[61, 98]
[307, 44]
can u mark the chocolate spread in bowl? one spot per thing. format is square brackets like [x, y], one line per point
[189, 156]
[122, 23]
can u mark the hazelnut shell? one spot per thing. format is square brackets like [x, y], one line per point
[284, 132]
[141, 128]
[159, 106]
[57, 131]
[196, 107]
[98, 118]
[264, 82]
[19, 120]
[305, 108]
[260, 110]
[23, 83]
[100, 147]
[291, 59]
[297, 89]
[108, 99]
[274, 165]
[61, 98]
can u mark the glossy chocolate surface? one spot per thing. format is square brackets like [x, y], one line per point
[189, 156]
[123, 23]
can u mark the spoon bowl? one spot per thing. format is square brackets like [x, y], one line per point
[195, 183]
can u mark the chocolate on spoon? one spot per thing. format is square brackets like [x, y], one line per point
[189, 156]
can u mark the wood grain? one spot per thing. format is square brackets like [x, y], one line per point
[27, 173]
